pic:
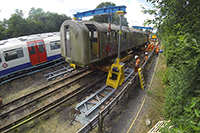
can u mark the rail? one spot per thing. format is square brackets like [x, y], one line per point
[13, 125]
[31, 70]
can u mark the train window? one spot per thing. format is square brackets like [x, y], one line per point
[32, 48]
[55, 45]
[0, 60]
[95, 34]
[41, 46]
[124, 35]
[90, 34]
[67, 35]
[13, 54]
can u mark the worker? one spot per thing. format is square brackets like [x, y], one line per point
[157, 50]
[152, 47]
[1, 103]
[146, 48]
[137, 63]
[145, 57]
[149, 47]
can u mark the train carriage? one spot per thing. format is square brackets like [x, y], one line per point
[86, 42]
[27, 51]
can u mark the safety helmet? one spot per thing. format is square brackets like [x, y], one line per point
[145, 53]
[136, 56]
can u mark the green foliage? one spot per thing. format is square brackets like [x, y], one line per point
[178, 27]
[37, 22]
[104, 18]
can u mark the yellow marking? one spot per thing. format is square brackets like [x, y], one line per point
[141, 77]
[74, 18]
[143, 100]
[137, 114]
[120, 32]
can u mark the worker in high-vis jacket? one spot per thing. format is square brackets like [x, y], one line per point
[145, 57]
[153, 46]
[149, 47]
[1, 103]
[137, 63]
[157, 50]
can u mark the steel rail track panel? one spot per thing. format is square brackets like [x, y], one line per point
[57, 73]
[105, 90]
[13, 125]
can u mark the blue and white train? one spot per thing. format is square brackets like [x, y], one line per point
[26, 51]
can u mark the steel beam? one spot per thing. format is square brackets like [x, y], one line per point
[99, 11]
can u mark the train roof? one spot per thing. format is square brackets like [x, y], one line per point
[102, 26]
[19, 40]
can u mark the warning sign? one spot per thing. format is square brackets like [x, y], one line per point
[154, 37]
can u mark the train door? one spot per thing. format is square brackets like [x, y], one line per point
[37, 52]
[41, 51]
[94, 41]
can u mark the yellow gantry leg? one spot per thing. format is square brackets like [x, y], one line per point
[116, 74]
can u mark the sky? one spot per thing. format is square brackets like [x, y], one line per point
[69, 7]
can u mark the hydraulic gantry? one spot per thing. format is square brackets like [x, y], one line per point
[99, 11]
[116, 74]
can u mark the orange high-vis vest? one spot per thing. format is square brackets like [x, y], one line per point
[146, 57]
[152, 47]
[137, 62]
[157, 49]
[149, 48]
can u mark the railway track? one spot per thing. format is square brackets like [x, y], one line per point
[50, 105]
[20, 100]
[31, 70]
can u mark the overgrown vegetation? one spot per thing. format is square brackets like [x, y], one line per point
[178, 26]
[37, 22]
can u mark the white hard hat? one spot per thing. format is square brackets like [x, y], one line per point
[136, 56]
[145, 53]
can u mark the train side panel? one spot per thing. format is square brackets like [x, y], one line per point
[15, 55]
[14, 58]
[53, 48]
[88, 42]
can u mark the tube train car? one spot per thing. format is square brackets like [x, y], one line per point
[23, 52]
[85, 42]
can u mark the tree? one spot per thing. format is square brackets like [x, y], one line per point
[2, 31]
[17, 25]
[178, 24]
[37, 22]
[104, 18]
